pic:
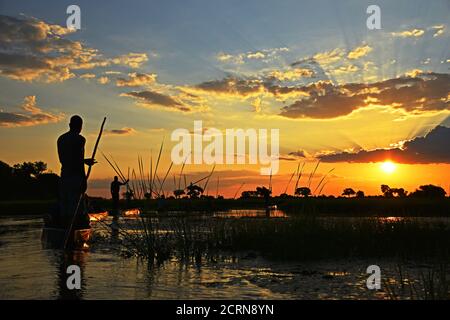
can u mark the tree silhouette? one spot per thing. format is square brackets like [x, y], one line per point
[249, 194]
[400, 192]
[30, 169]
[303, 191]
[194, 191]
[390, 192]
[263, 192]
[360, 194]
[27, 180]
[429, 191]
[348, 192]
[178, 193]
[128, 195]
[386, 190]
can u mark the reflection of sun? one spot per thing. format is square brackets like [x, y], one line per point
[388, 167]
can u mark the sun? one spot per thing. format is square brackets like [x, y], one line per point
[388, 167]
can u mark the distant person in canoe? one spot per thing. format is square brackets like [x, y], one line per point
[73, 183]
[115, 191]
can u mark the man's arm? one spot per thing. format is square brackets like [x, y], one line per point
[89, 162]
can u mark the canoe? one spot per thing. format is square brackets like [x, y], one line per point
[54, 238]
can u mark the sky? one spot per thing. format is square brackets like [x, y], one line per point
[338, 92]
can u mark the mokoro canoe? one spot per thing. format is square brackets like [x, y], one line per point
[54, 238]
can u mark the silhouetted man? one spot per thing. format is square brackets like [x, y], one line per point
[115, 191]
[73, 177]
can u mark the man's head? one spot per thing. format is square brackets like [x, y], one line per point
[115, 178]
[76, 123]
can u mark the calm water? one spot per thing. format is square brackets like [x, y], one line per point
[27, 271]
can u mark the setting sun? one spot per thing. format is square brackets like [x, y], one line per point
[388, 167]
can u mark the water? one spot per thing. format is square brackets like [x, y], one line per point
[27, 271]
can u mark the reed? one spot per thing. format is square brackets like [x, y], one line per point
[432, 284]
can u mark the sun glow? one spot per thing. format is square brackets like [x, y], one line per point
[388, 167]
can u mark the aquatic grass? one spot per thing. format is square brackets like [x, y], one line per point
[312, 238]
[193, 237]
[432, 284]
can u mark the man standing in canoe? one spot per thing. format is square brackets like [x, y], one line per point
[73, 182]
[115, 190]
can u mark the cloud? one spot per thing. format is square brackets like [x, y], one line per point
[438, 30]
[30, 115]
[121, 132]
[256, 55]
[291, 74]
[153, 98]
[345, 69]
[409, 33]
[103, 80]
[432, 148]
[416, 94]
[298, 154]
[33, 50]
[229, 58]
[137, 80]
[112, 72]
[232, 86]
[359, 52]
[87, 76]
[264, 55]
[329, 57]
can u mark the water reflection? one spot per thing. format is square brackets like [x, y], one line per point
[62, 260]
[255, 213]
[27, 271]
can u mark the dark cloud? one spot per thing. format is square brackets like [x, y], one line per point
[414, 94]
[30, 115]
[31, 50]
[299, 154]
[154, 98]
[121, 132]
[432, 148]
[232, 86]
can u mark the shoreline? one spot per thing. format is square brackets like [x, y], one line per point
[338, 207]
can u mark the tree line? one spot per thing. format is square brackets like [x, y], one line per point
[27, 181]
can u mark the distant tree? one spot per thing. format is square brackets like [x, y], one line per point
[303, 192]
[27, 180]
[263, 192]
[360, 194]
[386, 190]
[128, 195]
[249, 194]
[348, 192]
[400, 192]
[194, 191]
[429, 191]
[30, 169]
[178, 193]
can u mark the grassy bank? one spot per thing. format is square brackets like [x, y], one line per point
[300, 238]
[312, 206]
[294, 206]
[307, 238]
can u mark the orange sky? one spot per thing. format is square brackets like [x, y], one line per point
[327, 92]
